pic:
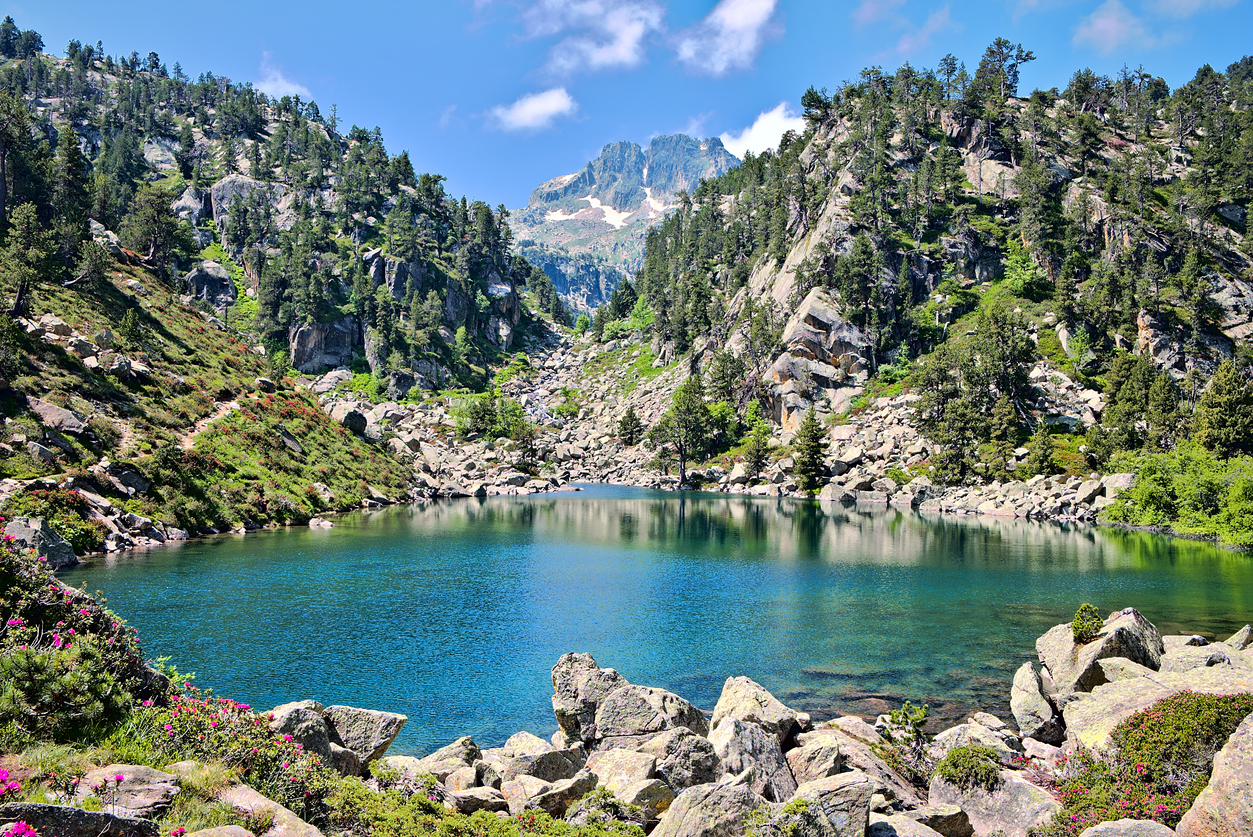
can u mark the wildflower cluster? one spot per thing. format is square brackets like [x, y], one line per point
[20, 829]
[8, 787]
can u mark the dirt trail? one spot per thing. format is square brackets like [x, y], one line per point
[223, 409]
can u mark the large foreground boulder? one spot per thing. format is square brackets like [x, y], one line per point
[709, 811]
[742, 746]
[1074, 668]
[643, 710]
[367, 732]
[143, 793]
[579, 687]
[1225, 807]
[839, 806]
[34, 533]
[746, 700]
[856, 740]
[65, 821]
[1014, 807]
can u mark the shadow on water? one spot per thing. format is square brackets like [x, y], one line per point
[454, 611]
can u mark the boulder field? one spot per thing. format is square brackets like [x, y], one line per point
[755, 766]
[753, 763]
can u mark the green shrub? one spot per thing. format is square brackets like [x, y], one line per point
[1087, 623]
[59, 693]
[971, 766]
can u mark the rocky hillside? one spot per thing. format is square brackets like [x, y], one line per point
[603, 210]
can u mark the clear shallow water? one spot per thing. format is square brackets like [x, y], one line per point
[453, 612]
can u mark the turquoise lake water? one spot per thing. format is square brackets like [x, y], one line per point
[453, 612]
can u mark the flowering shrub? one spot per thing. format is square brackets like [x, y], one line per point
[1162, 759]
[1175, 739]
[221, 730]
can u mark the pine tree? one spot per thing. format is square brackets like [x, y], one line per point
[630, 428]
[686, 427]
[1040, 451]
[71, 201]
[757, 451]
[810, 447]
[1004, 432]
[1224, 418]
[27, 257]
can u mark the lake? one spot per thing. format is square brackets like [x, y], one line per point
[454, 611]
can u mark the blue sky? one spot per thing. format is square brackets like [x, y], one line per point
[500, 95]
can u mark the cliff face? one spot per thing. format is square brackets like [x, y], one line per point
[587, 228]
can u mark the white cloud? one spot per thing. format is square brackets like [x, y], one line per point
[874, 11]
[765, 132]
[729, 37]
[274, 83]
[445, 117]
[535, 110]
[937, 22]
[603, 34]
[1111, 26]
[1187, 8]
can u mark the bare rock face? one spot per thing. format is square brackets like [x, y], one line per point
[745, 700]
[579, 686]
[1074, 668]
[838, 806]
[617, 769]
[1225, 807]
[817, 760]
[743, 747]
[561, 795]
[56, 418]
[303, 721]
[709, 811]
[1242, 638]
[212, 283]
[642, 710]
[248, 802]
[1033, 712]
[317, 345]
